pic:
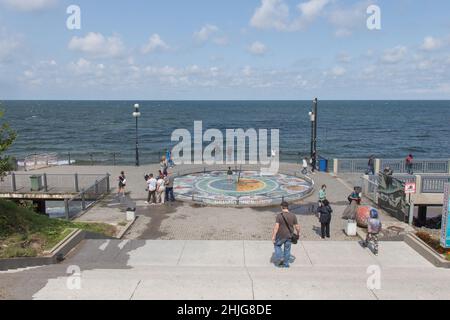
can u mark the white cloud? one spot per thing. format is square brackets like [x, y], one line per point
[394, 55]
[272, 14]
[430, 44]
[86, 67]
[345, 20]
[155, 43]
[312, 8]
[98, 45]
[257, 48]
[338, 71]
[205, 33]
[29, 5]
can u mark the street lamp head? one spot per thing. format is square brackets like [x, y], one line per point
[136, 112]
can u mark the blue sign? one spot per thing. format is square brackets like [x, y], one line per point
[445, 232]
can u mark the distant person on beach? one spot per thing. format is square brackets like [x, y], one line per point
[305, 166]
[282, 235]
[151, 183]
[230, 175]
[371, 165]
[163, 164]
[169, 158]
[325, 212]
[409, 164]
[122, 184]
[169, 180]
[160, 190]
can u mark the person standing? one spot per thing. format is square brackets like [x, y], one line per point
[325, 212]
[151, 182]
[322, 195]
[373, 229]
[305, 166]
[371, 165]
[230, 175]
[282, 234]
[409, 164]
[169, 180]
[122, 184]
[160, 190]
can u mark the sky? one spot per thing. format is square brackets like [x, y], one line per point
[230, 50]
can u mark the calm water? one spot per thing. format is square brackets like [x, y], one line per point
[351, 129]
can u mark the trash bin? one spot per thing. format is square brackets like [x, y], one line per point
[36, 182]
[323, 165]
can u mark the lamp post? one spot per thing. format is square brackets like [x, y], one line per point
[136, 115]
[315, 126]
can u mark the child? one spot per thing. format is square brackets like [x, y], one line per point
[373, 229]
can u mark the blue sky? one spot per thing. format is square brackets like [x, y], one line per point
[202, 49]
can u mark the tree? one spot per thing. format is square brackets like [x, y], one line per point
[7, 137]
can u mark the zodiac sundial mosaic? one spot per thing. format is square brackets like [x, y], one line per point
[250, 188]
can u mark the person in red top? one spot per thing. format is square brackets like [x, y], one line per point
[409, 164]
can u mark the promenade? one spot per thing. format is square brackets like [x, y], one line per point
[185, 221]
[187, 251]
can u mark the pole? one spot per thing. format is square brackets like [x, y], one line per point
[315, 127]
[137, 144]
[411, 212]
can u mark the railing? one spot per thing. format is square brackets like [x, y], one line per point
[86, 198]
[352, 165]
[39, 161]
[434, 184]
[420, 166]
[51, 183]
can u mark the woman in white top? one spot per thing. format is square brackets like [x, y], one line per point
[161, 190]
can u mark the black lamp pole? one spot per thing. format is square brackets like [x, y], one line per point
[315, 127]
[136, 115]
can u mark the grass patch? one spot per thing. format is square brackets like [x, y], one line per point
[24, 233]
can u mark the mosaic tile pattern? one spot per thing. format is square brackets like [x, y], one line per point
[253, 189]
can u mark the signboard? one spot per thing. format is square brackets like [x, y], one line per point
[445, 231]
[410, 187]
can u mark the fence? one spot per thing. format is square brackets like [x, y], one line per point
[86, 198]
[424, 166]
[434, 184]
[419, 166]
[38, 161]
[51, 183]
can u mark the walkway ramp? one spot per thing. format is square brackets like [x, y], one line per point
[226, 270]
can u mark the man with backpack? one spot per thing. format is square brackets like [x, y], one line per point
[373, 229]
[283, 235]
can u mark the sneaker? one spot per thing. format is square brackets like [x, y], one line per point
[146, 202]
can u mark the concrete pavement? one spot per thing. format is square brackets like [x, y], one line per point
[143, 269]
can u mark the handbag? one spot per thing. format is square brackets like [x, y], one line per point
[294, 236]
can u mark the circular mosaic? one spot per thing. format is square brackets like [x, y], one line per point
[251, 189]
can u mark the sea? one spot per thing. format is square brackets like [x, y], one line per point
[103, 132]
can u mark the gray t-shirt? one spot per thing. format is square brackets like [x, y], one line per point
[283, 231]
[169, 181]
